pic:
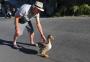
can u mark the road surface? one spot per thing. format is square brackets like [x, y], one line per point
[71, 44]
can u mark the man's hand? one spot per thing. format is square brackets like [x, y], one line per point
[43, 37]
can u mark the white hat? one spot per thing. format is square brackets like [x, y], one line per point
[39, 5]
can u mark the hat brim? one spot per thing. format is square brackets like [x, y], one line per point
[40, 9]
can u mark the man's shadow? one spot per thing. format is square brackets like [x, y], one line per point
[22, 49]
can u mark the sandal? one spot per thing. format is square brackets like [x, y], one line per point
[16, 46]
[34, 44]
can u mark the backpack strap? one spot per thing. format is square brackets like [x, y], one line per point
[30, 12]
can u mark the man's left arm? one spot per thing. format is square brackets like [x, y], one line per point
[39, 27]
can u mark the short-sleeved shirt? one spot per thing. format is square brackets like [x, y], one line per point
[24, 11]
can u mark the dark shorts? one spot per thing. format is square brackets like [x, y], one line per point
[28, 25]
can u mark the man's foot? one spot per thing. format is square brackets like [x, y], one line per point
[34, 44]
[16, 46]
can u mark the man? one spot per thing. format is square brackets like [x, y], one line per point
[22, 21]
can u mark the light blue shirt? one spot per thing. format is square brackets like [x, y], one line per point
[23, 11]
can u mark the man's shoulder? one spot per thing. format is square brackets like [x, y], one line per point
[23, 9]
[25, 5]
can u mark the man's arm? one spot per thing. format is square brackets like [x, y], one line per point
[39, 27]
[17, 25]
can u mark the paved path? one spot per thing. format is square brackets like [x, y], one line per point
[72, 41]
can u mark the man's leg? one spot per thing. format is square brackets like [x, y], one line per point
[16, 36]
[31, 36]
[31, 32]
[14, 40]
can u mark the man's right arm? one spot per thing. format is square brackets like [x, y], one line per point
[17, 24]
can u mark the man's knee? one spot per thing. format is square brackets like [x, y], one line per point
[18, 34]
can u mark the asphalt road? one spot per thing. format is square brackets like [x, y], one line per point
[71, 44]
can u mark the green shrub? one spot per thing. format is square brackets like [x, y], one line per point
[74, 9]
[84, 9]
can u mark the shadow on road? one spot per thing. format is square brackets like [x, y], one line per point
[28, 51]
[4, 42]
[23, 49]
